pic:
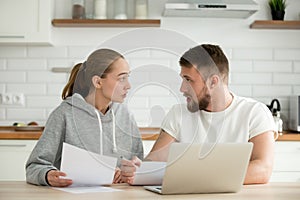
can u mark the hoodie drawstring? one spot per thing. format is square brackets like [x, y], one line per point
[115, 150]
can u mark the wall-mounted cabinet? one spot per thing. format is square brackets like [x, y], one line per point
[106, 23]
[25, 21]
[275, 24]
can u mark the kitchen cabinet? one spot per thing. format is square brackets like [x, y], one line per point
[148, 144]
[287, 163]
[13, 156]
[25, 21]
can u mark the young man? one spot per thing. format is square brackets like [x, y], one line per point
[213, 114]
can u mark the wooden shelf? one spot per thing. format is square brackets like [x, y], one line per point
[106, 22]
[275, 24]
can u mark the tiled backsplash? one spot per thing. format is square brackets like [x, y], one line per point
[261, 73]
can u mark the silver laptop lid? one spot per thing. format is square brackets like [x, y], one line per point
[206, 168]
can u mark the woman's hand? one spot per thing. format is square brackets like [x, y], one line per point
[117, 176]
[128, 169]
[55, 179]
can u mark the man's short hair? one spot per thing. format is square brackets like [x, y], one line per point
[208, 59]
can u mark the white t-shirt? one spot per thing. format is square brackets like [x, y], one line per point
[244, 119]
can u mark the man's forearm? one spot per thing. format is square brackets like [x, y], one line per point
[258, 172]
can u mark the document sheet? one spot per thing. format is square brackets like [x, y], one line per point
[150, 173]
[86, 168]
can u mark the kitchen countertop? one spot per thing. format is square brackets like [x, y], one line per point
[148, 133]
[10, 133]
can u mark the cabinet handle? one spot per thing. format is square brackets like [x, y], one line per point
[12, 36]
[12, 145]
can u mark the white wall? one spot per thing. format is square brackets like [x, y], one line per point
[264, 64]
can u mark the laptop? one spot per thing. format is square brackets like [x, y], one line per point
[205, 168]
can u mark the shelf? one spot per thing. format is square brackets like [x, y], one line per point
[275, 24]
[106, 22]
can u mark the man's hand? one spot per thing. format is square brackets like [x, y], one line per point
[128, 169]
[55, 180]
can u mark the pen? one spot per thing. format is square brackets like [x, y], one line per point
[123, 158]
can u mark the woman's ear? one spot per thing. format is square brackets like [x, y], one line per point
[97, 82]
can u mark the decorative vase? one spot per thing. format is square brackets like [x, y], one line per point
[278, 14]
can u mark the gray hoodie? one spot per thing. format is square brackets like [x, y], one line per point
[76, 122]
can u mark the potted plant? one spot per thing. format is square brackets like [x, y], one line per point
[277, 9]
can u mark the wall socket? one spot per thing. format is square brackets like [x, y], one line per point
[12, 99]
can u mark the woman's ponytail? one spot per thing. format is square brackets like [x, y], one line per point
[68, 89]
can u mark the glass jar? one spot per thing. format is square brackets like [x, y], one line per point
[141, 9]
[120, 7]
[89, 9]
[100, 7]
[78, 10]
[130, 9]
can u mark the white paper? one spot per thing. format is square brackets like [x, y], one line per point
[150, 173]
[80, 190]
[87, 168]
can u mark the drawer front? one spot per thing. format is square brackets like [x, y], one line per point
[287, 162]
[17, 145]
[13, 156]
[285, 177]
[287, 147]
[287, 157]
[147, 144]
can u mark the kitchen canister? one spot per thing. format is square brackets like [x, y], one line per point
[78, 10]
[89, 9]
[100, 7]
[120, 7]
[141, 9]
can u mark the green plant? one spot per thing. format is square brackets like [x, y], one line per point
[277, 5]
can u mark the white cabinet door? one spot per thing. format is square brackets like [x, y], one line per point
[13, 156]
[25, 21]
[287, 162]
[147, 144]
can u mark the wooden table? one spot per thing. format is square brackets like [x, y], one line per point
[22, 191]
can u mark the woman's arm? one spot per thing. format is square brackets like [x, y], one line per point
[45, 152]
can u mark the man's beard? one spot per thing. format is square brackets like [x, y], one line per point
[201, 104]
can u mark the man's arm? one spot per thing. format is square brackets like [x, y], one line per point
[261, 162]
[159, 152]
[160, 149]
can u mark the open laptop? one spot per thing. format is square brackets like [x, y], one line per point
[205, 168]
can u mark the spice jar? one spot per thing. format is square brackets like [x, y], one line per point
[78, 11]
[141, 9]
[100, 9]
[120, 7]
[89, 9]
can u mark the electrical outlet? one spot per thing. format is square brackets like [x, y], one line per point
[6, 99]
[18, 99]
[12, 99]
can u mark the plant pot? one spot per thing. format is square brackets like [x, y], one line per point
[278, 14]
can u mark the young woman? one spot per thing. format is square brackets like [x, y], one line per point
[90, 117]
